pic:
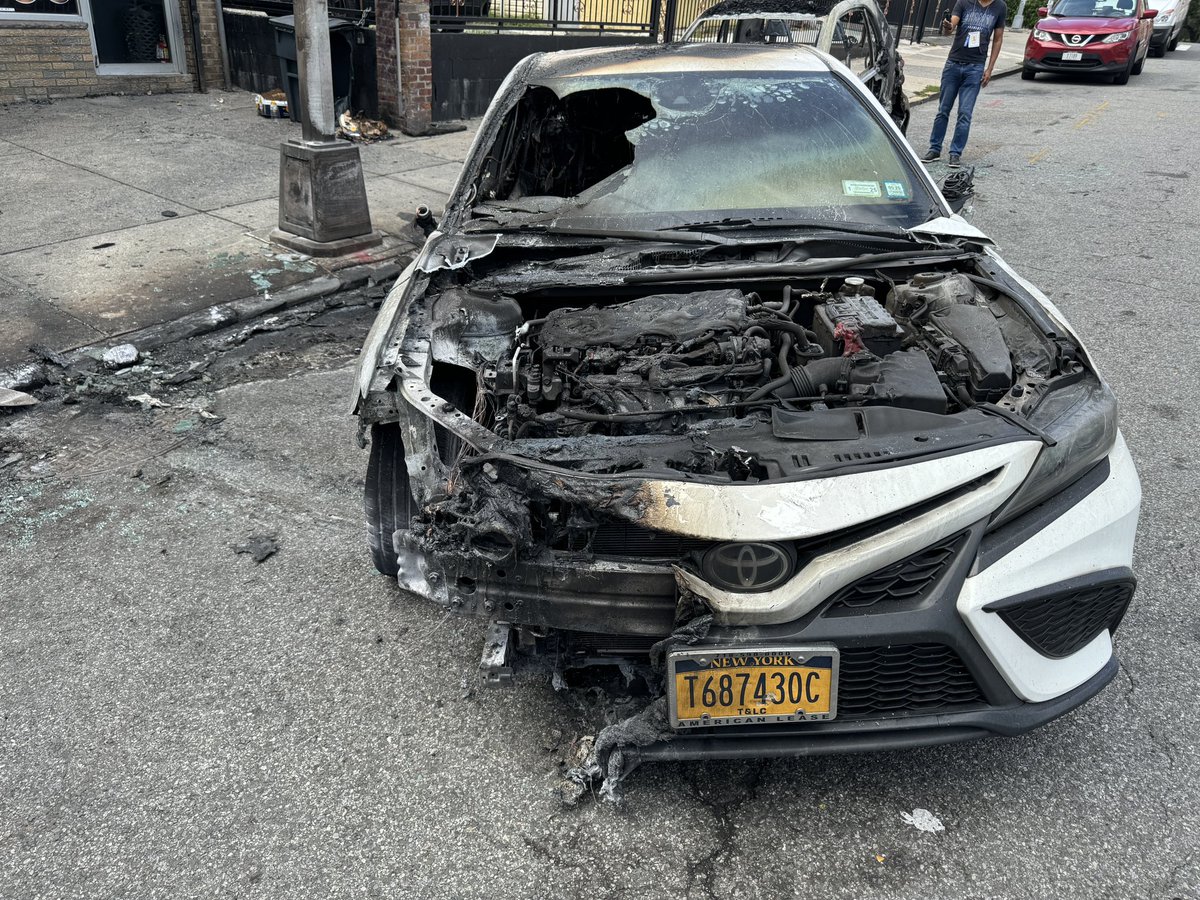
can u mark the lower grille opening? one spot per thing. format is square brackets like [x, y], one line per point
[874, 681]
[625, 539]
[1064, 623]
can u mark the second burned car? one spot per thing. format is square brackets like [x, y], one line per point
[700, 376]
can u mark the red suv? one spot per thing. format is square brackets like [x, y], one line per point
[1100, 37]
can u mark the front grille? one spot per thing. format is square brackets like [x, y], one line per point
[874, 681]
[901, 585]
[1073, 40]
[1064, 623]
[595, 644]
[624, 539]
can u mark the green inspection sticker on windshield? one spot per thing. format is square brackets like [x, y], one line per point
[861, 189]
[895, 190]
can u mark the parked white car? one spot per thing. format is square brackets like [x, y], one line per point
[699, 376]
[1167, 25]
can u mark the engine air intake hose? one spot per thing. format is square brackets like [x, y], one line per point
[807, 380]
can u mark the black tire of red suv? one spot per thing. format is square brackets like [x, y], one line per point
[1028, 74]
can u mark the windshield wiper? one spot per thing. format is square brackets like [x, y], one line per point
[734, 223]
[629, 234]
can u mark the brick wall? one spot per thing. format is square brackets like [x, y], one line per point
[387, 61]
[416, 67]
[47, 60]
[210, 42]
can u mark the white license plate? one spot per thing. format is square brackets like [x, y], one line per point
[1071, 56]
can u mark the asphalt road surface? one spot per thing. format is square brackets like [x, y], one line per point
[180, 721]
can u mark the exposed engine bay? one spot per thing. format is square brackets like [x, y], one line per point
[937, 343]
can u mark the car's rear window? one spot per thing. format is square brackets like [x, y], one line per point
[756, 31]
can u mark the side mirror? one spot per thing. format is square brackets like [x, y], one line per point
[1043, 12]
[1150, 14]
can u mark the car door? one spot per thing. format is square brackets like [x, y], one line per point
[858, 46]
[1145, 27]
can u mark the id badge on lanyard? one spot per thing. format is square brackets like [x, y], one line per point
[973, 39]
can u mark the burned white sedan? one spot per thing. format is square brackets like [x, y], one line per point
[699, 376]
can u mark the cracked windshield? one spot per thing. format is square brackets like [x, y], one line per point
[653, 150]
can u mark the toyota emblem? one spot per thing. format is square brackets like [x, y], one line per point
[750, 566]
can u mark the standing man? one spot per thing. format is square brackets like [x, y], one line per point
[975, 24]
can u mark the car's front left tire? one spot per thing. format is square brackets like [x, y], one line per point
[387, 500]
[1140, 64]
[1028, 74]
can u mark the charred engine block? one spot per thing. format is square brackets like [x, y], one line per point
[656, 353]
[645, 362]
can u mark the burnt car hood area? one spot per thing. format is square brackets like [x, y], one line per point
[659, 423]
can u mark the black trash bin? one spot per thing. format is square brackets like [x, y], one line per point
[341, 53]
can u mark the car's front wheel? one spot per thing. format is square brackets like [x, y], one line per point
[1174, 42]
[1028, 74]
[387, 500]
[1140, 64]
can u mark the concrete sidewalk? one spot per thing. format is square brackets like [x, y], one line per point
[118, 213]
[923, 62]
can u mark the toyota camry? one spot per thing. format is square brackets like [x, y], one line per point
[699, 377]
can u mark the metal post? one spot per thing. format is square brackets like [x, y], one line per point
[315, 67]
[322, 195]
[195, 16]
[669, 21]
[922, 12]
[225, 74]
[1019, 18]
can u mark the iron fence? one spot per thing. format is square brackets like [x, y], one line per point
[663, 20]
[360, 12]
[660, 19]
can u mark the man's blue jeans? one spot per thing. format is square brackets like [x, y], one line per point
[960, 81]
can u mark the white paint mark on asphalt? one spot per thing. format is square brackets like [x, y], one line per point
[1184, 47]
[923, 820]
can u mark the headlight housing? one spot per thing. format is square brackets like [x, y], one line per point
[1165, 18]
[1082, 420]
[1040, 35]
[1116, 38]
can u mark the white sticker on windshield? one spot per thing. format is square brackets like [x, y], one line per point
[861, 189]
[895, 190]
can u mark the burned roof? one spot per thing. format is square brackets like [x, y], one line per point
[668, 58]
[763, 8]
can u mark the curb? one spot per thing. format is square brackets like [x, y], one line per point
[30, 375]
[928, 97]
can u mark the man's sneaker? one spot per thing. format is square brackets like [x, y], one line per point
[955, 161]
[931, 155]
